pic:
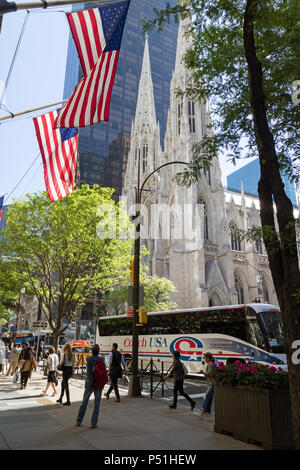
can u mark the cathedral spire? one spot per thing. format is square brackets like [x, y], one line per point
[184, 43]
[145, 108]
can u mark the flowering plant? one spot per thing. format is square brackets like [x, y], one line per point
[250, 374]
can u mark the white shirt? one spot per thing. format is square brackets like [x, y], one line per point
[53, 362]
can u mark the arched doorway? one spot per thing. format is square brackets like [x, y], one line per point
[215, 299]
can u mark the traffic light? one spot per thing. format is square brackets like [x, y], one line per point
[143, 318]
[131, 267]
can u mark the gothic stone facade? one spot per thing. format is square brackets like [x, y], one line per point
[223, 269]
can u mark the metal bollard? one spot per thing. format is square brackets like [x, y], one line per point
[151, 377]
[162, 381]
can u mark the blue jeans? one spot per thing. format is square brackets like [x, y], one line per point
[81, 412]
[208, 399]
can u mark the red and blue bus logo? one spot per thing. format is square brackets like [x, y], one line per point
[190, 348]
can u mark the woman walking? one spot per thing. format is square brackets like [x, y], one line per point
[13, 360]
[66, 365]
[7, 354]
[2, 357]
[28, 364]
[210, 363]
[52, 362]
[178, 374]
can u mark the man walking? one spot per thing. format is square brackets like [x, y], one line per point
[116, 362]
[177, 372]
[91, 385]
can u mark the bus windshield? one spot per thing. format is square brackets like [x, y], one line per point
[273, 329]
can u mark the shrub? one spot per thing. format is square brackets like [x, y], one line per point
[251, 375]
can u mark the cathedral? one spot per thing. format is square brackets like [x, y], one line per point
[222, 269]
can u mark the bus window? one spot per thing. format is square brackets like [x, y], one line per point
[115, 327]
[255, 335]
[162, 324]
[273, 328]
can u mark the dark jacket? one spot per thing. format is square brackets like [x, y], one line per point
[177, 371]
[115, 368]
[90, 367]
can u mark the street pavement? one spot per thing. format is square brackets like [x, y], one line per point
[30, 420]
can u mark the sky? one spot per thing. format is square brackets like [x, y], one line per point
[37, 79]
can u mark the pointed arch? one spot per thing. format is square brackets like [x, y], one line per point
[205, 219]
[235, 238]
[265, 290]
[192, 116]
[239, 286]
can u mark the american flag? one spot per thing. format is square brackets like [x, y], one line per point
[58, 148]
[97, 34]
[1, 205]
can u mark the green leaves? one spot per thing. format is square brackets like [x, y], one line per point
[251, 375]
[56, 250]
[217, 59]
[157, 291]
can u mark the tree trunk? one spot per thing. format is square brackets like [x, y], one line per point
[282, 248]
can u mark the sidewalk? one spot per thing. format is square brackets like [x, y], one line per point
[30, 420]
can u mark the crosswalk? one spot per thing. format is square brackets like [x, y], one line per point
[193, 396]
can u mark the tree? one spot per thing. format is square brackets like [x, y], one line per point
[245, 58]
[67, 250]
[157, 292]
[11, 284]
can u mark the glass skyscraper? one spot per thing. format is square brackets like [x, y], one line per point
[103, 147]
[250, 175]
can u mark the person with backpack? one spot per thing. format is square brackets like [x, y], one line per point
[96, 378]
[178, 373]
[116, 362]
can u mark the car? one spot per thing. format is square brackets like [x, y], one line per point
[81, 349]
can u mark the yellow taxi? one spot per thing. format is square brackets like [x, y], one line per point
[81, 349]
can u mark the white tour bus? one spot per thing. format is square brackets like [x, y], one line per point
[234, 332]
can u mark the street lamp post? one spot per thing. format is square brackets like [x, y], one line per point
[17, 310]
[135, 386]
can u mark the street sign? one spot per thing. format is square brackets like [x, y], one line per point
[130, 312]
[141, 295]
[39, 324]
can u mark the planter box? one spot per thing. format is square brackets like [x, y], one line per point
[262, 417]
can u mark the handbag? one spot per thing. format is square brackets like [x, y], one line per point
[61, 365]
[15, 377]
[21, 363]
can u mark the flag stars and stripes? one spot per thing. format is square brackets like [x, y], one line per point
[59, 153]
[97, 34]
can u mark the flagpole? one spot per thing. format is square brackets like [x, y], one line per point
[10, 7]
[20, 113]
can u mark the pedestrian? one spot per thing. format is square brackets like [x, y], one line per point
[2, 357]
[210, 363]
[96, 377]
[67, 366]
[23, 347]
[28, 364]
[13, 360]
[116, 362]
[59, 352]
[7, 354]
[178, 374]
[52, 362]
